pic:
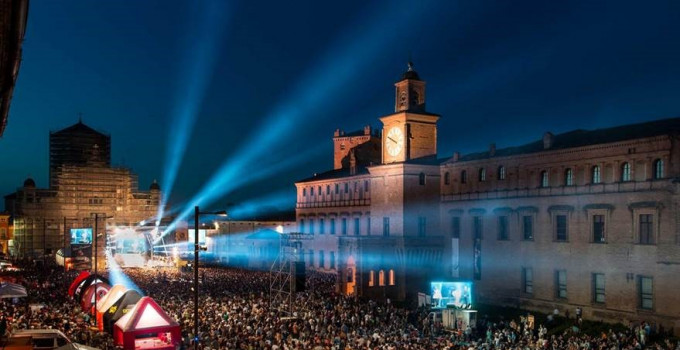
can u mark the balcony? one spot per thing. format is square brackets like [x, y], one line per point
[334, 203]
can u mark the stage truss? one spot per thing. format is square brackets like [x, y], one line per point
[282, 274]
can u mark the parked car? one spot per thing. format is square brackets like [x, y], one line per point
[44, 339]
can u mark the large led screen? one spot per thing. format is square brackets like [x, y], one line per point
[451, 294]
[81, 236]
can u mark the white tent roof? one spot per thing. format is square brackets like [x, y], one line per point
[111, 297]
[145, 314]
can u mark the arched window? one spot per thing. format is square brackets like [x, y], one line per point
[544, 178]
[658, 169]
[421, 179]
[625, 171]
[463, 177]
[371, 278]
[482, 174]
[568, 177]
[501, 173]
[391, 279]
[447, 178]
[596, 175]
[381, 278]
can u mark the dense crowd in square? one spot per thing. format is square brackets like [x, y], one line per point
[235, 313]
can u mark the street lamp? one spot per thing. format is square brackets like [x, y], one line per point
[198, 213]
[96, 254]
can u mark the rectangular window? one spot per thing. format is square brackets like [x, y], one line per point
[322, 259]
[311, 191]
[560, 227]
[528, 227]
[366, 185]
[332, 226]
[346, 187]
[502, 228]
[311, 258]
[328, 189]
[302, 225]
[477, 227]
[368, 226]
[455, 227]
[344, 226]
[337, 188]
[371, 278]
[386, 227]
[357, 228]
[322, 226]
[561, 284]
[528, 280]
[598, 288]
[332, 260]
[598, 228]
[646, 229]
[646, 290]
[311, 226]
[422, 226]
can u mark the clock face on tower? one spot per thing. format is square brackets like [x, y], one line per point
[394, 142]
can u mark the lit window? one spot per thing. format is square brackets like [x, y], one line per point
[561, 284]
[391, 277]
[598, 228]
[381, 278]
[561, 228]
[646, 290]
[598, 288]
[502, 228]
[528, 227]
[568, 177]
[482, 174]
[422, 226]
[386, 226]
[544, 178]
[501, 173]
[625, 172]
[646, 228]
[596, 175]
[528, 280]
[658, 169]
[371, 278]
[455, 227]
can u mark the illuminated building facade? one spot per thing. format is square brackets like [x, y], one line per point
[583, 219]
[82, 184]
[6, 232]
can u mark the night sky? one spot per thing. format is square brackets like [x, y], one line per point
[250, 84]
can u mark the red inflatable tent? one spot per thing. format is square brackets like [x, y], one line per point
[147, 326]
[87, 301]
[76, 282]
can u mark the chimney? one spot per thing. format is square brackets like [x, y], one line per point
[548, 139]
[336, 133]
[456, 156]
[367, 130]
[492, 149]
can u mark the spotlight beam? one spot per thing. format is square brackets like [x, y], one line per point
[199, 60]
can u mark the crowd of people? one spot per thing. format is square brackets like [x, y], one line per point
[234, 313]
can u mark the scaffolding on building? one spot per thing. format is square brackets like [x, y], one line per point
[282, 274]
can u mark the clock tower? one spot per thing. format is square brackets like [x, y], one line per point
[410, 132]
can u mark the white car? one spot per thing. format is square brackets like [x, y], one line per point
[49, 339]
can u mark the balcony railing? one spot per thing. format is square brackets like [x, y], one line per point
[335, 203]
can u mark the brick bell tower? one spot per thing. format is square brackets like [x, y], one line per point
[410, 132]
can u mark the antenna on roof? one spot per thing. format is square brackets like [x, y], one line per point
[80, 117]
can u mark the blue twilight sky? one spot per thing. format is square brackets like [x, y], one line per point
[255, 89]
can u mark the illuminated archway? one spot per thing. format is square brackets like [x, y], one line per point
[350, 276]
